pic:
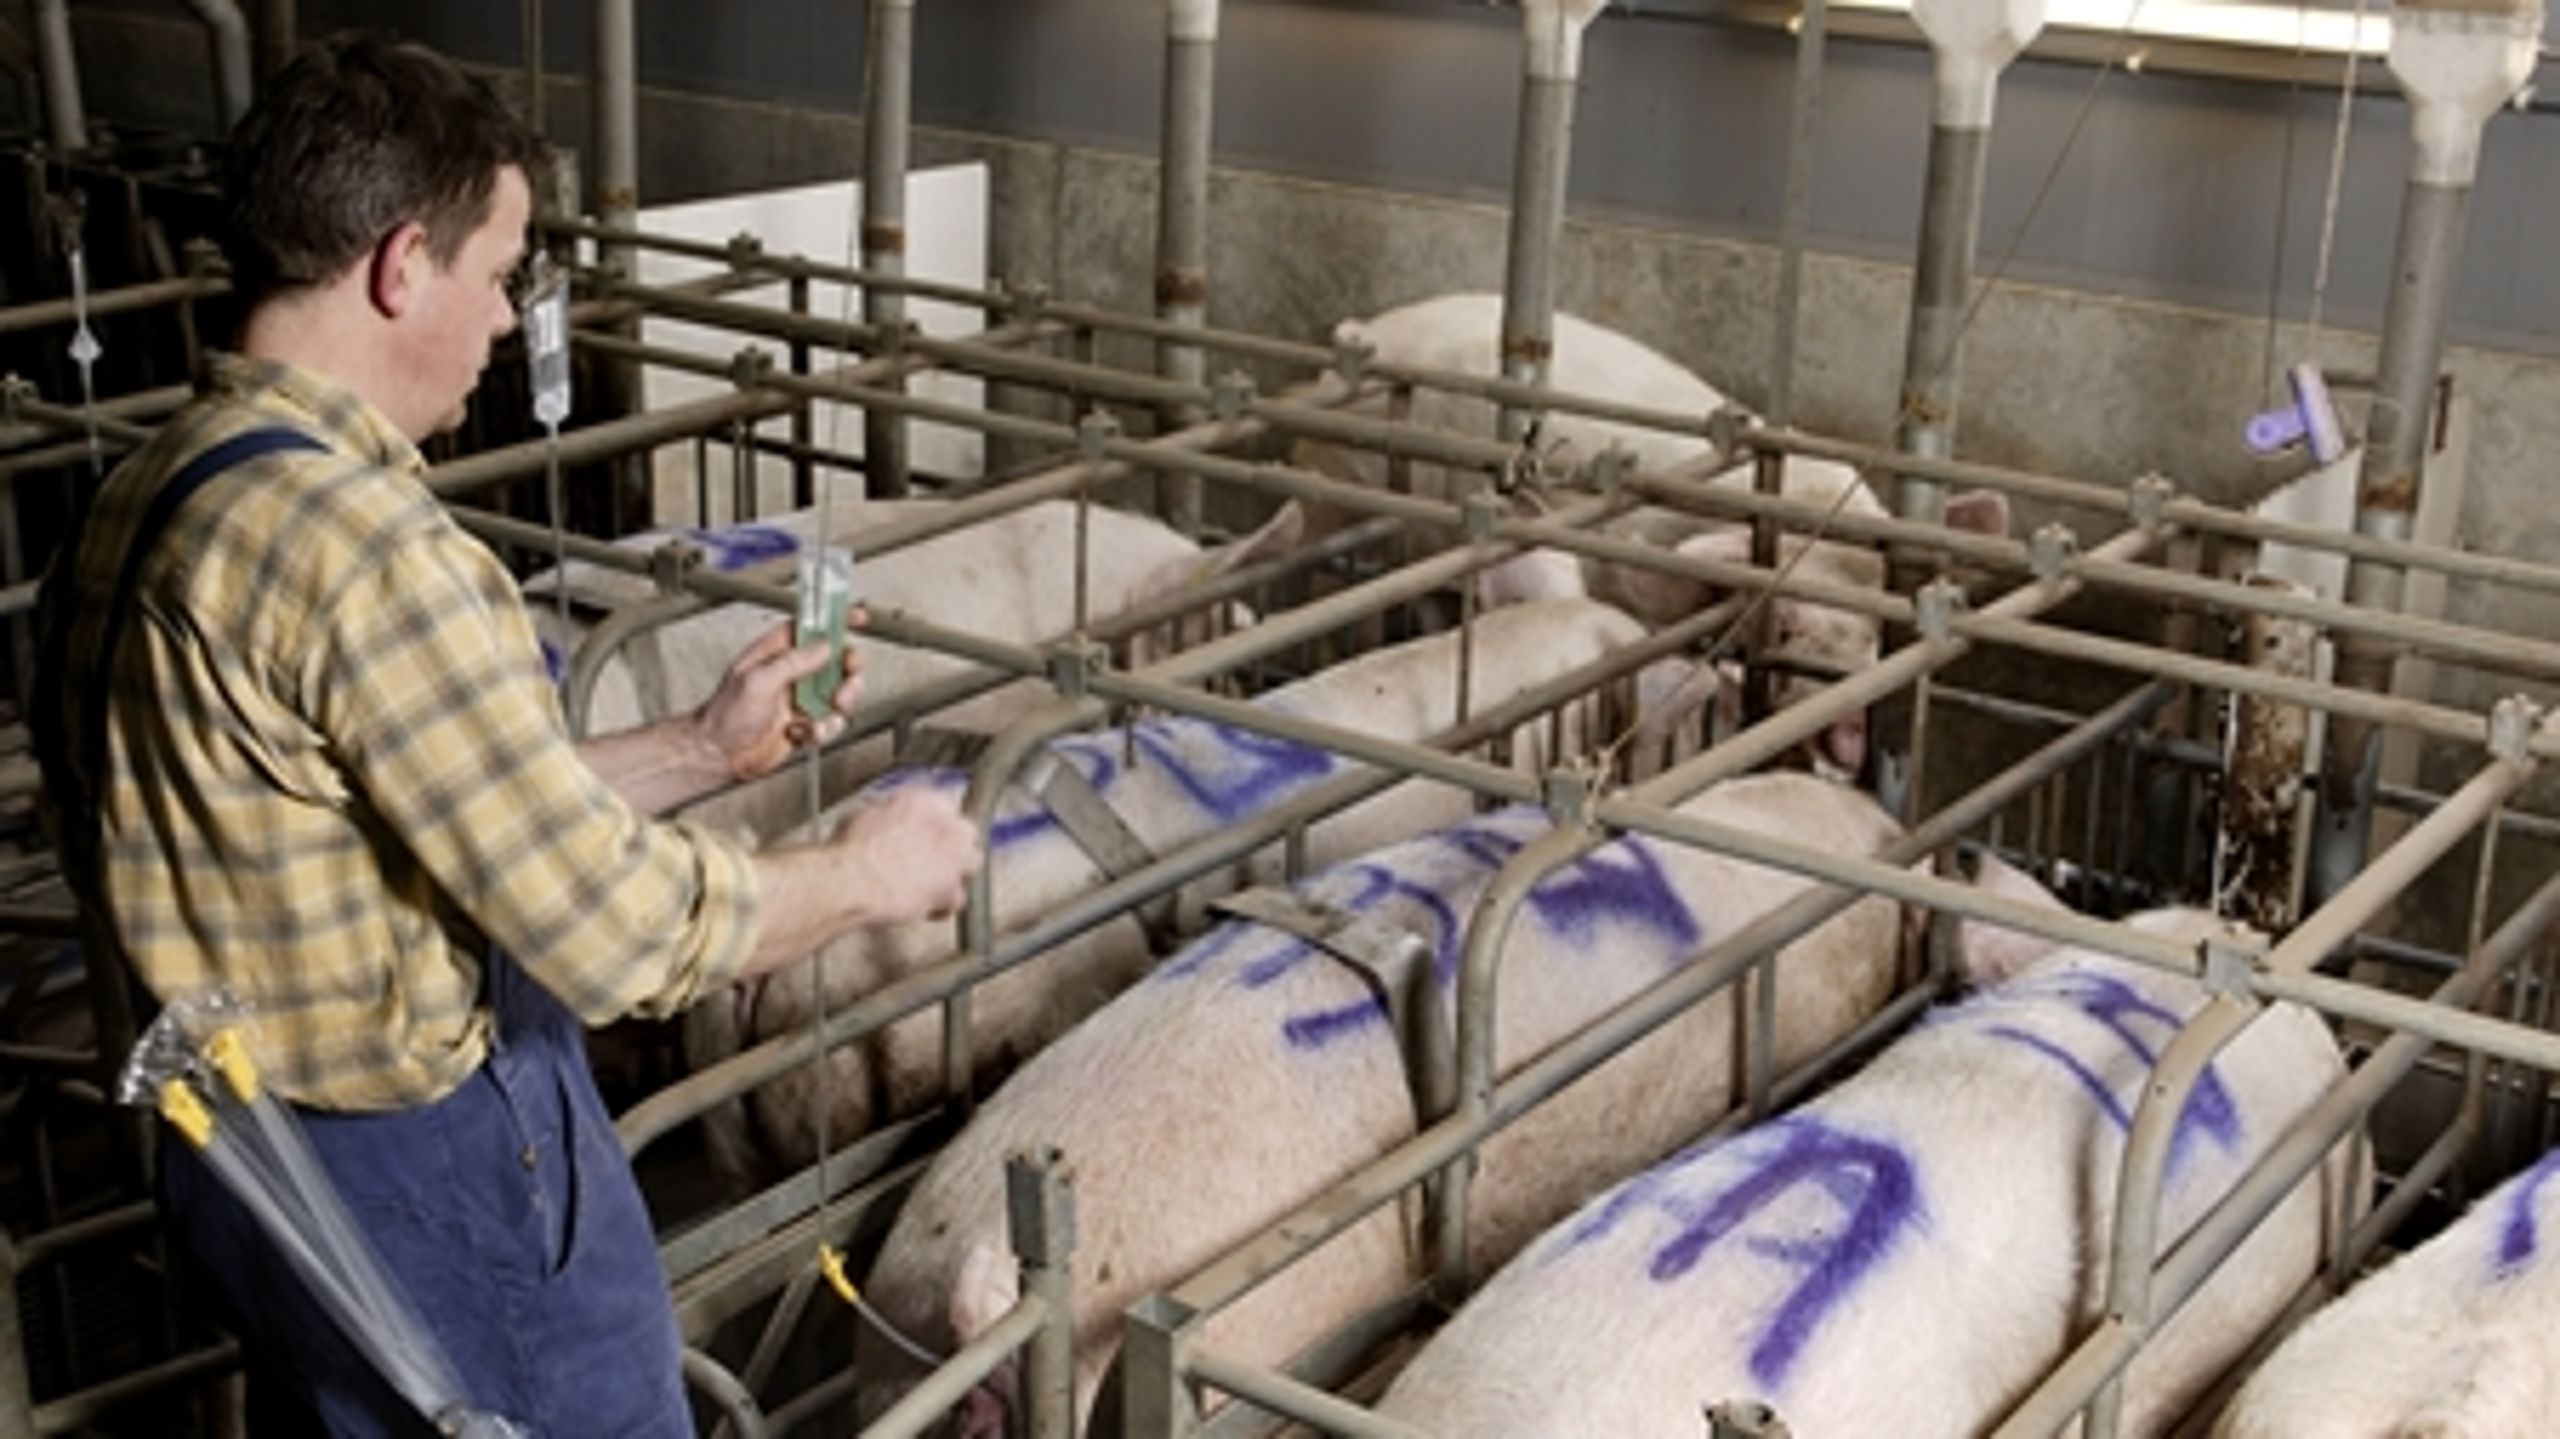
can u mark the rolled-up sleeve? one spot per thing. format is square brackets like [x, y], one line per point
[423, 673]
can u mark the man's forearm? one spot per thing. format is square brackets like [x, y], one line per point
[659, 766]
[807, 895]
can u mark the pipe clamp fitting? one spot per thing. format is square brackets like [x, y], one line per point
[1608, 469]
[1724, 428]
[1094, 434]
[2148, 500]
[670, 562]
[2228, 960]
[2051, 549]
[1071, 663]
[2512, 722]
[750, 367]
[1229, 394]
[1351, 359]
[1935, 607]
[1567, 791]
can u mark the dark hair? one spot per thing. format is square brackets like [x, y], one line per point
[356, 137]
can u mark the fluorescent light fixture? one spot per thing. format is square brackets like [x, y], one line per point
[2279, 29]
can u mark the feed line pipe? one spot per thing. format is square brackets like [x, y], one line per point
[1550, 68]
[1182, 225]
[2458, 62]
[887, 123]
[2240, 980]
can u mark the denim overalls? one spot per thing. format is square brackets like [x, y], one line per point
[506, 1214]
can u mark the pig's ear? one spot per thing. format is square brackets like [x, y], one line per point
[1540, 574]
[1660, 598]
[1990, 953]
[1277, 536]
[1670, 691]
[1981, 512]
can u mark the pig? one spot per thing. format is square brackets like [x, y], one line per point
[1249, 1074]
[1171, 781]
[2457, 1339]
[1461, 332]
[1910, 1252]
[1008, 578]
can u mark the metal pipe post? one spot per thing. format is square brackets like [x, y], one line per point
[1182, 224]
[17, 1401]
[886, 122]
[1804, 109]
[2458, 61]
[530, 13]
[1552, 32]
[1157, 1400]
[228, 30]
[1974, 41]
[614, 94]
[279, 35]
[58, 63]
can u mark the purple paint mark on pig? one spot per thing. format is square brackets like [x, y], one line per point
[1259, 771]
[2519, 1237]
[2117, 1007]
[1713, 1192]
[1321, 1027]
[736, 547]
[1620, 881]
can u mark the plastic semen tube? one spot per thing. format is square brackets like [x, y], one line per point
[826, 594]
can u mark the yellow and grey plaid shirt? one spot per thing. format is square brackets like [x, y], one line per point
[336, 774]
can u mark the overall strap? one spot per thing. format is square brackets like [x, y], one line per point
[68, 771]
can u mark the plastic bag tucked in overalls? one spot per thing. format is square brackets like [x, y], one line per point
[509, 1218]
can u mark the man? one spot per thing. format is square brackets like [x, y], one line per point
[327, 773]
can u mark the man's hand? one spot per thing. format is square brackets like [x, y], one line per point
[750, 721]
[913, 851]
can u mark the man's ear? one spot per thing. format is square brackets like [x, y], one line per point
[395, 268]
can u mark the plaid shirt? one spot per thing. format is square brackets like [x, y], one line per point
[336, 773]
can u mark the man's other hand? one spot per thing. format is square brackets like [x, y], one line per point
[914, 850]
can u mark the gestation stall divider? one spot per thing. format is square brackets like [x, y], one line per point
[726, 1265]
[2244, 975]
